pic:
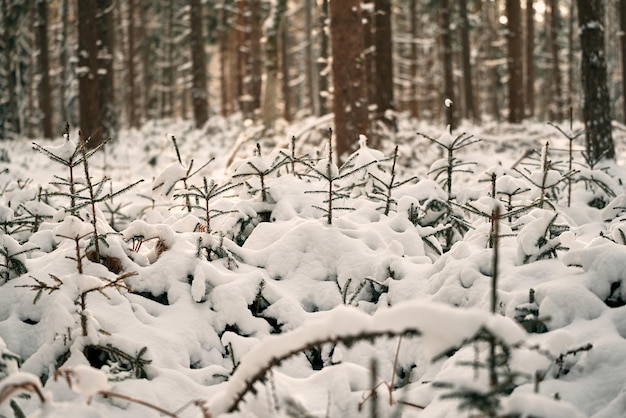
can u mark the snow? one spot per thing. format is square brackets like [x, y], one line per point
[277, 310]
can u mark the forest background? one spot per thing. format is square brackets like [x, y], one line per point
[100, 64]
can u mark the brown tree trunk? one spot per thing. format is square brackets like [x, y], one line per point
[88, 94]
[284, 66]
[469, 111]
[622, 17]
[596, 103]
[256, 54]
[557, 98]
[384, 98]
[414, 100]
[43, 64]
[369, 48]
[242, 55]
[167, 97]
[198, 65]
[131, 93]
[514, 61]
[106, 84]
[350, 96]
[530, 58]
[446, 56]
[311, 79]
[272, 56]
[323, 62]
[223, 48]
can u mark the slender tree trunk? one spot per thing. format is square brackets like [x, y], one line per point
[530, 58]
[198, 65]
[414, 100]
[514, 61]
[448, 75]
[323, 62]
[369, 50]
[242, 55]
[596, 104]
[570, 57]
[167, 100]
[469, 111]
[88, 91]
[384, 61]
[131, 93]
[256, 54]
[43, 64]
[106, 87]
[285, 62]
[622, 16]
[272, 55]
[311, 79]
[554, 53]
[350, 96]
[223, 48]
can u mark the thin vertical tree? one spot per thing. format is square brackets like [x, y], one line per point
[529, 59]
[469, 111]
[199, 94]
[557, 105]
[622, 17]
[323, 61]
[596, 102]
[514, 61]
[414, 100]
[256, 54]
[447, 58]
[384, 97]
[309, 53]
[88, 91]
[131, 91]
[106, 74]
[43, 67]
[272, 56]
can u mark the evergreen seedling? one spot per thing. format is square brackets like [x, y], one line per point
[383, 189]
[328, 171]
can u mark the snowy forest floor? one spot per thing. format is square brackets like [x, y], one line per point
[240, 290]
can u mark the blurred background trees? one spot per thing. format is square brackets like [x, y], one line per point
[102, 64]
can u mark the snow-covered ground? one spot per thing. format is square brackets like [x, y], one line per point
[281, 304]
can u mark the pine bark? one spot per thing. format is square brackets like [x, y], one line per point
[414, 100]
[529, 80]
[384, 97]
[596, 102]
[43, 64]
[131, 93]
[256, 54]
[514, 61]
[557, 96]
[469, 111]
[350, 95]
[88, 92]
[447, 57]
[199, 96]
[323, 62]
[106, 83]
[622, 8]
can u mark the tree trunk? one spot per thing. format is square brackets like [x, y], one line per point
[469, 111]
[414, 100]
[271, 64]
[596, 108]
[256, 54]
[384, 97]
[131, 93]
[198, 65]
[557, 114]
[323, 62]
[350, 96]
[622, 17]
[514, 61]
[311, 79]
[242, 56]
[369, 49]
[284, 66]
[43, 64]
[88, 91]
[530, 58]
[106, 85]
[446, 56]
